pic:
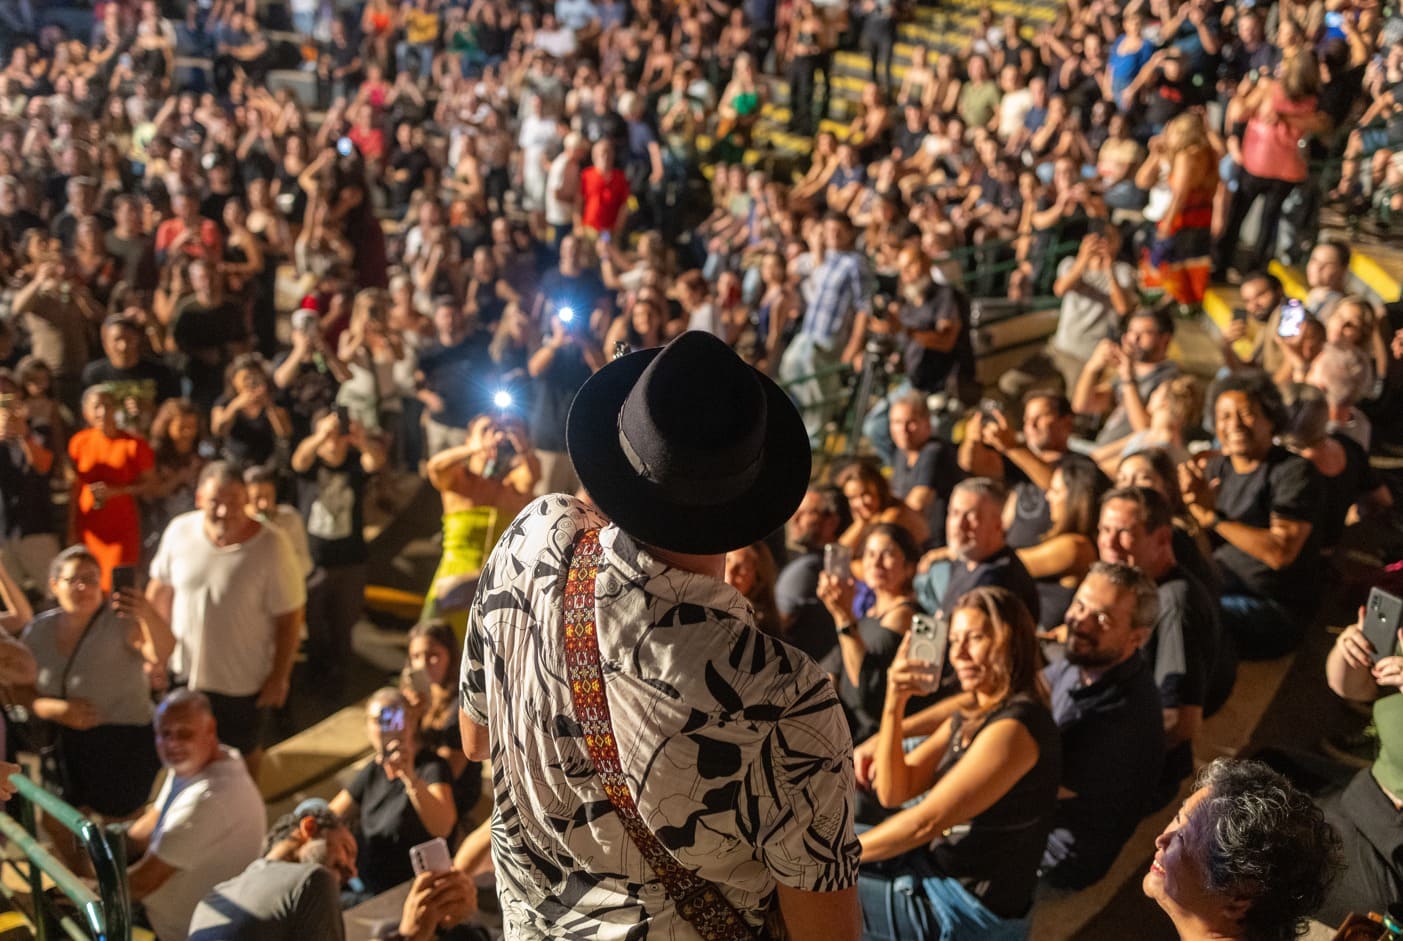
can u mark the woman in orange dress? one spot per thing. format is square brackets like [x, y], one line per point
[1184, 165]
[111, 469]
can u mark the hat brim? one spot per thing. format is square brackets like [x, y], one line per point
[641, 509]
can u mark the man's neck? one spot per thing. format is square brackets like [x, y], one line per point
[710, 565]
[1091, 675]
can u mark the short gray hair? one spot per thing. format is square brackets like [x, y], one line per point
[1263, 841]
[1129, 578]
[913, 400]
[984, 487]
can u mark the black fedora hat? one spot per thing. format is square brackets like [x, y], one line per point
[688, 448]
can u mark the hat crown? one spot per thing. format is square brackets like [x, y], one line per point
[694, 423]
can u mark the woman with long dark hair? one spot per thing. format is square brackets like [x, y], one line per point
[962, 863]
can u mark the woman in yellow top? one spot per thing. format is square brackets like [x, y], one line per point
[485, 482]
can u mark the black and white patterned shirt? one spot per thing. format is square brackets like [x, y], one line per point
[734, 744]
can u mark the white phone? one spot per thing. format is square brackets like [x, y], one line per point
[431, 856]
[928, 640]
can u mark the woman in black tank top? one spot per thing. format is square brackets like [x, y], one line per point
[965, 857]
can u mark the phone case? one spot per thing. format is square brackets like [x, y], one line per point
[1383, 615]
[431, 856]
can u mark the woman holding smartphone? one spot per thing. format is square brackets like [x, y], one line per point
[91, 697]
[430, 686]
[989, 775]
[402, 798]
[867, 644]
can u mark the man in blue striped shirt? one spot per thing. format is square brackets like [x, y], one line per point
[837, 289]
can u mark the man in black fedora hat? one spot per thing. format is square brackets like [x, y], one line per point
[660, 764]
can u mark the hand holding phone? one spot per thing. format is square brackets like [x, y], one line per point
[929, 635]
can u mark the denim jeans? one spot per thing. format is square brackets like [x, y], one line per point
[816, 395]
[902, 900]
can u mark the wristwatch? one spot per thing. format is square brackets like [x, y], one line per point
[848, 630]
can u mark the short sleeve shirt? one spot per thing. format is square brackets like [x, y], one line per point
[734, 744]
[1282, 485]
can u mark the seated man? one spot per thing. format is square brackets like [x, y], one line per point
[1105, 703]
[205, 824]
[1193, 668]
[805, 622]
[293, 892]
[1258, 503]
[1120, 377]
[992, 448]
[975, 552]
[924, 470]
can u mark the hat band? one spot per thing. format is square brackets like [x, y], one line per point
[711, 490]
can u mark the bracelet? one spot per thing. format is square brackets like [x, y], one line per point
[847, 630]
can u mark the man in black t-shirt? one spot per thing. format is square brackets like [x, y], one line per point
[1193, 667]
[129, 245]
[208, 330]
[924, 470]
[991, 448]
[1259, 503]
[807, 624]
[1106, 705]
[140, 381]
[333, 467]
[977, 552]
[457, 377]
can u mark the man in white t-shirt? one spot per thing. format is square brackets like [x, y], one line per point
[563, 186]
[233, 592]
[205, 825]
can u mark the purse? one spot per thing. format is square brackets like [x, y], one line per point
[697, 900]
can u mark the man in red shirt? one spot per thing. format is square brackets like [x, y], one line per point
[603, 191]
[187, 231]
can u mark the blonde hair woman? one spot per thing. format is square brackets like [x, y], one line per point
[1183, 169]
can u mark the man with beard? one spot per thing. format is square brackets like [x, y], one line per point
[1120, 377]
[807, 624]
[975, 546]
[1262, 296]
[992, 448]
[933, 324]
[1108, 710]
[232, 591]
[1259, 504]
[1193, 668]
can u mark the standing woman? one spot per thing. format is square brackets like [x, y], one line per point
[1179, 258]
[1280, 112]
[111, 468]
[93, 654]
[484, 483]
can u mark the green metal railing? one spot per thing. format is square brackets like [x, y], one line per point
[106, 913]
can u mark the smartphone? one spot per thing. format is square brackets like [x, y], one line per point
[1239, 313]
[304, 321]
[1334, 19]
[391, 729]
[431, 856]
[1383, 615]
[620, 349]
[123, 576]
[421, 684]
[343, 419]
[989, 408]
[928, 639]
[1293, 319]
[838, 560]
[345, 147]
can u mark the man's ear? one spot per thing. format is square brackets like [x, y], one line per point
[307, 828]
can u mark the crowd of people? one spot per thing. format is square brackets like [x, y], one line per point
[258, 262]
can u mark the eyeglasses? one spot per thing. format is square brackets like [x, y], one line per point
[81, 581]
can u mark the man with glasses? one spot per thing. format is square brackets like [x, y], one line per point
[1105, 703]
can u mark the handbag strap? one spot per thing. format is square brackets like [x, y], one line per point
[697, 900]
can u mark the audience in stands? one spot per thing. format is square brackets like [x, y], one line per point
[347, 248]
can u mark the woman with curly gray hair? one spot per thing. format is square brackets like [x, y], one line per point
[1247, 857]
